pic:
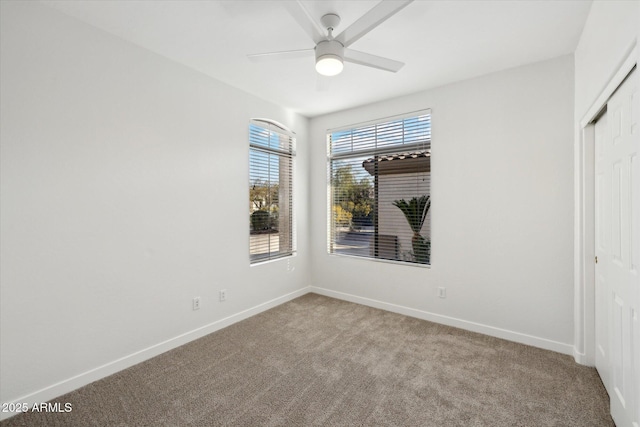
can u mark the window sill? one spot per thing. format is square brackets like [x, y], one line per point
[386, 261]
[272, 260]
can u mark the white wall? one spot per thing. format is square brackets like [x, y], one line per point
[611, 29]
[124, 182]
[501, 213]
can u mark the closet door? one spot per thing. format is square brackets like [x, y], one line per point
[618, 252]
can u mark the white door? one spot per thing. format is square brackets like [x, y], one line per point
[618, 252]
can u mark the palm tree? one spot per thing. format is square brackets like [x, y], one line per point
[416, 210]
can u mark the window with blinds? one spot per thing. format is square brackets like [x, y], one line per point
[380, 189]
[271, 158]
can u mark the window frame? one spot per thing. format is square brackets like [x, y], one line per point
[423, 148]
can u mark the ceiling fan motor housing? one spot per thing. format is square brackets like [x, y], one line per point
[329, 52]
[329, 47]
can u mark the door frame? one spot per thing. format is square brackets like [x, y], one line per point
[584, 214]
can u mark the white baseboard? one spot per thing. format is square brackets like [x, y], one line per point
[452, 321]
[73, 383]
[582, 358]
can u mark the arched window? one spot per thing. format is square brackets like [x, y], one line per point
[271, 162]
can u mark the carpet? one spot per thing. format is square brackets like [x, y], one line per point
[322, 361]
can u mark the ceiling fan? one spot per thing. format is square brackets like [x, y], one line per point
[331, 52]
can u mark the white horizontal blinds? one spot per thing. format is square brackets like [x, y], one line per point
[271, 155]
[401, 134]
[380, 177]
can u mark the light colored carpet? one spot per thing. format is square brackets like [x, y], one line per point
[321, 361]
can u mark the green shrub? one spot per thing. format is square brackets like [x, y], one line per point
[260, 220]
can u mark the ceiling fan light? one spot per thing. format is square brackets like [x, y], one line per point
[329, 65]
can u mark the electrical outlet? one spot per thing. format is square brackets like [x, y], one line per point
[196, 303]
[442, 292]
[223, 295]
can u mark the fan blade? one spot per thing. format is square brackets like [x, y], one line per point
[285, 54]
[367, 22]
[305, 20]
[374, 61]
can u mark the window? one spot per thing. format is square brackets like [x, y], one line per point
[380, 189]
[271, 155]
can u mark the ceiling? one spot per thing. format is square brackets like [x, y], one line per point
[439, 41]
